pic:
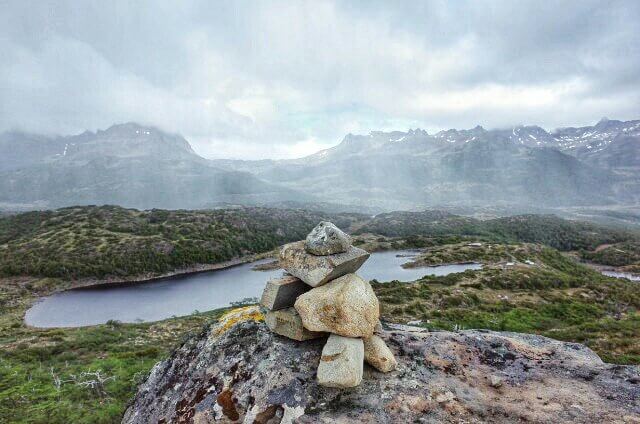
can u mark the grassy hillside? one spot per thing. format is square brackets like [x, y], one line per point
[44, 373]
[625, 255]
[109, 240]
[551, 230]
[523, 287]
[539, 291]
[104, 241]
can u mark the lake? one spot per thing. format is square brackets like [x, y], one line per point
[626, 275]
[182, 295]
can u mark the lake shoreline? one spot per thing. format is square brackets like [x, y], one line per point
[95, 283]
[179, 293]
[140, 279]
[419, 264]
[602, 269]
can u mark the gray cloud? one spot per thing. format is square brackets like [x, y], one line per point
[277, 79]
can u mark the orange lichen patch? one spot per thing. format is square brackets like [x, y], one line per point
[225, 400]
[528, 351]
[438, 362]
[329, 358]
[264, 416]
[234, 316]
[410, 403]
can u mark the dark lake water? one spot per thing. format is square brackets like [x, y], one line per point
[182, 295]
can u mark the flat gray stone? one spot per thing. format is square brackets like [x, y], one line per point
[327, 239]
[318, 270]
[341, 362]
[281, 293]
[287, 322]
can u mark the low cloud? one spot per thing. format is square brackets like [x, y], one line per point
[284, 79]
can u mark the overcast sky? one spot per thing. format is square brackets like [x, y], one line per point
[284, 79]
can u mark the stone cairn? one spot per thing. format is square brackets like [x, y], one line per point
[322, 294]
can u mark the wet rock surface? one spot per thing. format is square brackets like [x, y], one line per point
[246, 373]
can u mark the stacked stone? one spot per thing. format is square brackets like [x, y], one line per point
[323, 295]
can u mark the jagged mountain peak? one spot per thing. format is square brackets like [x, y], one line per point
[130, 128]
[593, 139]
[453, 135]
[127, 140]
[531, 135]
[535, 136]
[127, 164]
[352, 143]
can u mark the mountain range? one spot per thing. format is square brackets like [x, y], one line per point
[127, 164]
[143, 167]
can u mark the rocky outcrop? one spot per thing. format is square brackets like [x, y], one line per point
[242, 372]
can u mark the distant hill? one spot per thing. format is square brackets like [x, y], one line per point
[128, 164]
[551, 230]
[143, 167]
[113, 241]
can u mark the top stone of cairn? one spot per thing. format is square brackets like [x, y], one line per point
[327, 239]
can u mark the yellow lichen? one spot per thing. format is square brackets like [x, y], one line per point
[234, 316]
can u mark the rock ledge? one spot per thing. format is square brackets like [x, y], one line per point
[249, 374]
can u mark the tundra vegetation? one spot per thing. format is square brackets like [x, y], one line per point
[532, 282]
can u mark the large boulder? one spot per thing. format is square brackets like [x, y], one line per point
[248, 374]
[346, 306]
[378, 355]
[318, 270]
[327, 239]
[341, 362]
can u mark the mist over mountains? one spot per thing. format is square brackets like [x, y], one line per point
[143, 167]
[127, 165]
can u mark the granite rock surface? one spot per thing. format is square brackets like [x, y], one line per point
[246, 373]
